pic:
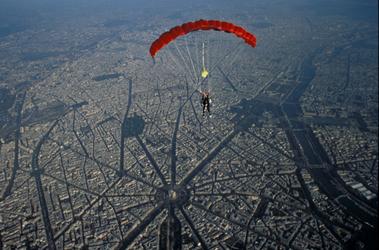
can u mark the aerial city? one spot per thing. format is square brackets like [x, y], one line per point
[173, 124]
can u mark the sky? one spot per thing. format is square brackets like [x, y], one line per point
[23, 12]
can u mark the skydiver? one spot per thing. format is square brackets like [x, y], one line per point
[206, 102]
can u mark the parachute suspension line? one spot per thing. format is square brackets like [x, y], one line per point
[198, 66]
[234, 58]
[203, 57]
[208, 52]
[192, 64]
[170, 63]
[204, 72]
[178, 65]
[225, 56]
[198, 89]
[238, 52]
[220, 49]
[183, 66]
[199, 40]
[185, 63]
[214, 50]
[171, 59]
[208, 56]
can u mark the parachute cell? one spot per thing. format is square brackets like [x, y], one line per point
[186, 28]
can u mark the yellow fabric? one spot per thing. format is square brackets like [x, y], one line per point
[204, 73]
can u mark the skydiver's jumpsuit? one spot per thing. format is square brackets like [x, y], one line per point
[205, 102]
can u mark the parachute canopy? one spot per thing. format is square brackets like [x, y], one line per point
[186, 28]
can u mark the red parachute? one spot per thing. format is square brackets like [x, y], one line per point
[186, 28]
